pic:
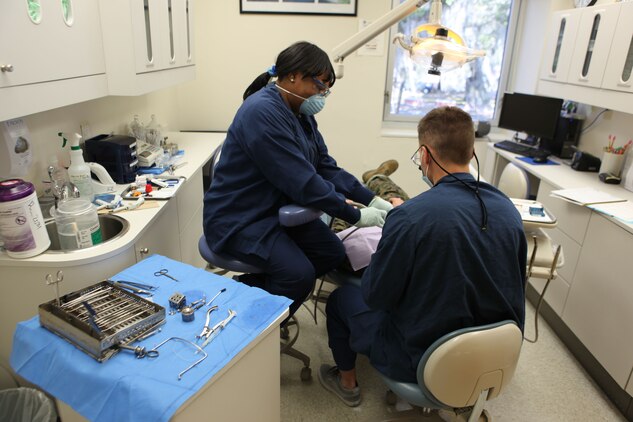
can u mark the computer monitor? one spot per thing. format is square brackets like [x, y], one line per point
[532, 114]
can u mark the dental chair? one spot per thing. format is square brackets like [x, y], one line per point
[461, 369]
[543, 257]
[289, 216]
[514, 182]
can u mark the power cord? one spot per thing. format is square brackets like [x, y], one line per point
[594, 120]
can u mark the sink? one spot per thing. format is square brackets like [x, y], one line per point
[112, 227]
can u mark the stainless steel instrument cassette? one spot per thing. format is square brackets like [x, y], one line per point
[101, 319]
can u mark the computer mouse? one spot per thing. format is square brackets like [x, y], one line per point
[540, 159]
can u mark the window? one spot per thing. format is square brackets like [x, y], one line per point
[484, 25]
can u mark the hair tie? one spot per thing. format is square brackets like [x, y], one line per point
[272, 70]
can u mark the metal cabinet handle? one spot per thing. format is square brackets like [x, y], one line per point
[144, 250]
[6, 68]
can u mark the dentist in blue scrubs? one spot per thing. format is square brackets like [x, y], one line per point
[274, 155]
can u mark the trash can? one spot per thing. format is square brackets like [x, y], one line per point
[26, 405]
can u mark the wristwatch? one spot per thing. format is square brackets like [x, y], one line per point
[584, 3]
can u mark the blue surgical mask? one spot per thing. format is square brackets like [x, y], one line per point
[311, 106]
[425, 178]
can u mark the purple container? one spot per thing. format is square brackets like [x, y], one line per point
[22, 226]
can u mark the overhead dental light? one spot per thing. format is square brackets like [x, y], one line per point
[440, 50]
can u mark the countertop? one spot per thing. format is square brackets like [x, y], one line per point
[198, 147]
[563, 177]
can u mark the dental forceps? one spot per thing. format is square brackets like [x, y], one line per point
[213, 332]
[206, 330]
[165, 273]
[134, 287]
[138, 285]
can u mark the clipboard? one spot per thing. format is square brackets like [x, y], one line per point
[160, 193]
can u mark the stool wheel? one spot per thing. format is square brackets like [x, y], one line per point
[306, 374]
[391, 398]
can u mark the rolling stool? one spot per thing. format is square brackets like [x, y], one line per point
[464, 368]
[338, 277]
[289, 216]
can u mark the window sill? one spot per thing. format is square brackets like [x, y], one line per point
[391, 132]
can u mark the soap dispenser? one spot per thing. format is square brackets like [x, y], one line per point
[78, 172]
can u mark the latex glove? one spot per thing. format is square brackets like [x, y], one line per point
[371, 217]
[380, 204]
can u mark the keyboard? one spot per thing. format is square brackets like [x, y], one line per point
[520, 149]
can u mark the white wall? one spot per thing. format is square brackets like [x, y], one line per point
[105, 115]
[232, 49]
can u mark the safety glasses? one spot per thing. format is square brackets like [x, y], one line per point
[416, 158]
[323, 89]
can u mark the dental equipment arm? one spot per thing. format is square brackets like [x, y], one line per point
[356, 41]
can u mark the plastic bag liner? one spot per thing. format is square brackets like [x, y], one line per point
[26, 405]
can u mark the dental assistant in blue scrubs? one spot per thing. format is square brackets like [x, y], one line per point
[274, 155]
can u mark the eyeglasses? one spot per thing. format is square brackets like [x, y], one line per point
[415, 158]
[323, 89]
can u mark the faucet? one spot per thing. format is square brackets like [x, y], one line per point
[65, 191]
[69, 190]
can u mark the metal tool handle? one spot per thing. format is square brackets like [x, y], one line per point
[139, 351]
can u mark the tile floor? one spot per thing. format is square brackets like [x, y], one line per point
[549, 385]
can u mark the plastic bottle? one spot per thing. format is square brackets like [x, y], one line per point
[56, 173]
[79, 172]
[137, 129]
[77, 224]
[153, 133]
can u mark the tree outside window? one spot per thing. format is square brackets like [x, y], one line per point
[484, 25]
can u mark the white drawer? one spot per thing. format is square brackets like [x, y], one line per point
[556, 294]
[570, 252]
[572, 219]
[189, 199]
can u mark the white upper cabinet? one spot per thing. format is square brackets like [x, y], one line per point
[51, 55]
[561, 37]
[593, 42]
[148, 44]
[618, 74]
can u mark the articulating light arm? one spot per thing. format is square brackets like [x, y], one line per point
[444, 50]
[353, 43]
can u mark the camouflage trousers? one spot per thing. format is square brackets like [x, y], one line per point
[383, 187]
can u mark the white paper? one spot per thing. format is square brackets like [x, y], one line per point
[585, 196]
[621, 210]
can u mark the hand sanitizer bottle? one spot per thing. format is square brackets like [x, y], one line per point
[79, 172]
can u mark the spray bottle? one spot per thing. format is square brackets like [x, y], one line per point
[78, 172]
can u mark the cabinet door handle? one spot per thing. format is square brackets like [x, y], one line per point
[144, 251]
[6, 68]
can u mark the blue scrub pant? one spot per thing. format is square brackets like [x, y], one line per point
[298, 257]
[351, 325]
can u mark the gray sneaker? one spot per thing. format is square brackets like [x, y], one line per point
[331, 380]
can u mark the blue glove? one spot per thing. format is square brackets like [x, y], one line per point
[371, 217]
[380, 204]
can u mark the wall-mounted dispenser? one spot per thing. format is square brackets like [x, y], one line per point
[16, 153]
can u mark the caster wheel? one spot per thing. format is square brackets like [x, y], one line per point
[284, 333]
[392, 399]
[306, 374]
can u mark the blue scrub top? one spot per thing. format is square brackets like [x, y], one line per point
[436, 271]
[271, 158]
